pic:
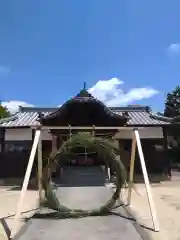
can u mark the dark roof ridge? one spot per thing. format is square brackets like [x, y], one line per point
[80, 98]
[37, 109]
[53, 109]
[131, 108]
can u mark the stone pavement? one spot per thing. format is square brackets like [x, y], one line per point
[9, 196]
[83, 188]
[166, 196]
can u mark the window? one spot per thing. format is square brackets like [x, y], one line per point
[17, 146]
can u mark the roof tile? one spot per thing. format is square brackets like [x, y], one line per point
[138, 115]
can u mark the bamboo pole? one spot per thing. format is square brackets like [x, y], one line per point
[4, 234]
[40, 169]
[131, 174]
[147, 184]
[109, 172]
[26, 181]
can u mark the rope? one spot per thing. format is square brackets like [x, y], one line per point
[93, 131]
[70, 133]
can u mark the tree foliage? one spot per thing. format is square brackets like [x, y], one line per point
[4, 112]
[172, 104]
[172, 110]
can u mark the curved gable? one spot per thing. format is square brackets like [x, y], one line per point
[83, 110]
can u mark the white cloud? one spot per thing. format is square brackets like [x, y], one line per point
[4, 69]
[111, 94]
[108, 91]
[13, 105]
[174, 48]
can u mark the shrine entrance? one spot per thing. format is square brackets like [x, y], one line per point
[84, 157]
[87, 112]
[80, 159]
[83, 113]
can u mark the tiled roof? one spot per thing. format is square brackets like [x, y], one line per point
[141, 115]
[138, 115]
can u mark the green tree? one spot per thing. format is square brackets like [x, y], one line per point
[4, 112]
[172, 104]
[172, 110]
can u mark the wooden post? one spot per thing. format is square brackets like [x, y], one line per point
[26, 181]
[146, 180]
[53, 151]
[109, 172]
[4, 234]
[2, 138]
[167, 157]
[40, 169]
[54, 144]
[93, 130]
[70, 133]
[131, 174]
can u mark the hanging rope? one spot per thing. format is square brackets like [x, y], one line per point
[85, 154]
[93, 130]
[70, 133]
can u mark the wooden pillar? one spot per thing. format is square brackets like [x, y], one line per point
[54, 143]
[2, 157]
[53, 150]
[33, 135]
[167, 157]
[26, 182]
[40, 169]
[2, 139]
[131, 174]
[34, 170]
[115, 142]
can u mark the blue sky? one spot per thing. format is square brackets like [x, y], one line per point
[128, 52]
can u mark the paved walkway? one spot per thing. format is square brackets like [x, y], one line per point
[83, 188]
[166, 196]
